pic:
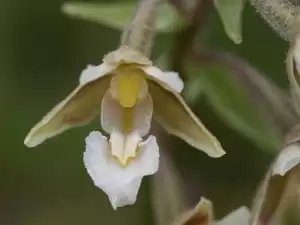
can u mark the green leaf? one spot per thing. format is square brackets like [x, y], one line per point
[231, 102]
[231, 12]
[119, 15]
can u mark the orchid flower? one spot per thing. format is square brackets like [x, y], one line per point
[126, 90]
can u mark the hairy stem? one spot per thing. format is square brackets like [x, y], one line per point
[139, 34]
[279, 14]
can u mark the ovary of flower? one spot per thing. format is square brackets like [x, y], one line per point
[126, 90]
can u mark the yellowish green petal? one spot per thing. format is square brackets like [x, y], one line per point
[279, 188]
[268, 199]
[77, 109]
[175, 116]
[201, 214]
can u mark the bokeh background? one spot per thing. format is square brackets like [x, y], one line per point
[42, 53]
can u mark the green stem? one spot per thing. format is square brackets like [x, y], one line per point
[279, 14]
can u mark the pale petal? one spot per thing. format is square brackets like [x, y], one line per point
[143, 116]
[77, 109]
[121, 184]
[106, 172]
[111, 115]
[92, 73]
[175, 116]
[169, 80]
[126, 55]
[241, 216]
[287, 159]
[268, 200]
[126, 195]
[147, 160]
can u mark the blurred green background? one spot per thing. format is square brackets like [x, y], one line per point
[42, 53]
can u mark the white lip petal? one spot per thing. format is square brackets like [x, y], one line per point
[92, 73]
[112, 111]
[287, 159]
[169, 80]
[147, 160]
[121, 184]
[125, 195]
[143, 116]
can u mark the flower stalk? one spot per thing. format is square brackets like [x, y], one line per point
[140, 33]
[279, 14]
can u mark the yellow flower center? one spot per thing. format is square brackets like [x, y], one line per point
[129, 86]
[128, 89]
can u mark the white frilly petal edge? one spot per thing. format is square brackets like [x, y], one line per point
[92, 72]
[240, 216]
[121, 184]
[287, 159]
[169, 80]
